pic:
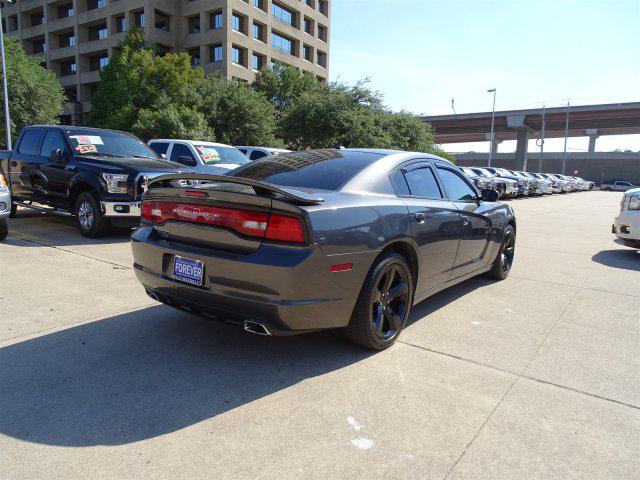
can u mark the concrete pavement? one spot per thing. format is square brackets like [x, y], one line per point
[533, 377]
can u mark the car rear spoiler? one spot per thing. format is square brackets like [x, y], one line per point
[297, 196]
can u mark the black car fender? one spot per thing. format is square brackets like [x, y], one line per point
[83, 181]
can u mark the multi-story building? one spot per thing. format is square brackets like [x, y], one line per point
[76, 38]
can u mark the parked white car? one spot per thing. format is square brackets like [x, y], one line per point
[203, 157]
[626, 226]
[254, 153]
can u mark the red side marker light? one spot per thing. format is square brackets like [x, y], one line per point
[343, 267]
[196, 193]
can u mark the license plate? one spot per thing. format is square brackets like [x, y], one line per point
[188, 270]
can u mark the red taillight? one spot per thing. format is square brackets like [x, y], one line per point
[280, 228]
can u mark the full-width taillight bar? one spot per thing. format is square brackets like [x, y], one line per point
[263, 225]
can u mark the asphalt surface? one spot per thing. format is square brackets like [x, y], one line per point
[537, 376]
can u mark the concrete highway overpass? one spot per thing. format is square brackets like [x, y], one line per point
[584, 121]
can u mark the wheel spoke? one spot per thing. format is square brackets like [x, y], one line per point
[377, 296]
[399, 290]
[392, 316]
[389, 278]
[379, 320]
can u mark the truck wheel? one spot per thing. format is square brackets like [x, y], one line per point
[383, 306]
[89, 218]
[4, 228]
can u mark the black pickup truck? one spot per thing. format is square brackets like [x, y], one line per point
[97, 175]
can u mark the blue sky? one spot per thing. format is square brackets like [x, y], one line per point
[422, 53]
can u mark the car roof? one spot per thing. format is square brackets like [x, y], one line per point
[78, 127]
[270, 149]
[192, 142]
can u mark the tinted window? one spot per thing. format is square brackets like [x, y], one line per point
[29, 142]
[243, 150]
[457, 189]
[107, 142]
[256, 154]
[324, 169]
[422, 183]
[53, 140]
[160, 147]
[180, 150]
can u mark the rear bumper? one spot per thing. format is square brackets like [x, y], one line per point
[286, 289]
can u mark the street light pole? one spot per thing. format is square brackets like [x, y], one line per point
[493, 114]
[7, 119]
[566, 135]
[544, 107]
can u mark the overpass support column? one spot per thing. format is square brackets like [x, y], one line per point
[494, 142]
[521, 149]
[593, 136]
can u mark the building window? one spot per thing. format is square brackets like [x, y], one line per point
[71, 93]
[38, 46]
[163, 21]
[97, 32]
[65, 10]
[238, 55]
[215, 20]
[68, 68]
[307, 53]
[283, 14]
[98, 62]
[281, 43]
[238, 23]
[37, 19]
[322, 32]
[93, 4]
[322, 59]
[258, 31]
[258, 4]
[138, 18]
[308, 26]
[257, 62]
[194, 24]
[104, 61]
[67, 40]
[120, 24]
[194, 53]
[215, 53]
[323, 7]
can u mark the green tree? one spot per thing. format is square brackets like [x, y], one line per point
[281, 85]
[35, 95]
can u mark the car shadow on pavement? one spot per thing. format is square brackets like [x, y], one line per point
[147, 373]
[33, 228]
[623, 259]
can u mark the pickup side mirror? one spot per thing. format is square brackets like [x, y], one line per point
[186, 160]
[57, 157]
[489, 195]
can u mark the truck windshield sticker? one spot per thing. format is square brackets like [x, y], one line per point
[87, 149]
[208, 154]
[88, 139]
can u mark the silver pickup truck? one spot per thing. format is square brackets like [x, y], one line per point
[617, 186]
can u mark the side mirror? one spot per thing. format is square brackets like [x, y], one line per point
[489, 195]
[57, 157]
[188, 161]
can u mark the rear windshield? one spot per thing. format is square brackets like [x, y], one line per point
[321, 169]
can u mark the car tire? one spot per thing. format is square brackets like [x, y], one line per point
[606, 189]
[14, 209]
[4, 228]
[383, 305]
[89, 218]
[504, 260]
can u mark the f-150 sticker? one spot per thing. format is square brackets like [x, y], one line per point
[88, 139]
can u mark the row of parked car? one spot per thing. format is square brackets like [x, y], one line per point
[514, 183]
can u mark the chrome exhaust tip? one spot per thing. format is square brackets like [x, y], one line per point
[255, 328]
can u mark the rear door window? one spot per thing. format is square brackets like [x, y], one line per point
[53, 140]
[160, 147]
[180, 150]
[30, 142]
[256, 154]
[422, 183]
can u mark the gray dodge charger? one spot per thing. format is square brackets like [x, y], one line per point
[319, 239]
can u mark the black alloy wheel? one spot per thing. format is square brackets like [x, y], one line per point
[390, 301]
[504, 260]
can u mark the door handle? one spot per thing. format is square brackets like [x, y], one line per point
[420, 217]
[13, 163]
